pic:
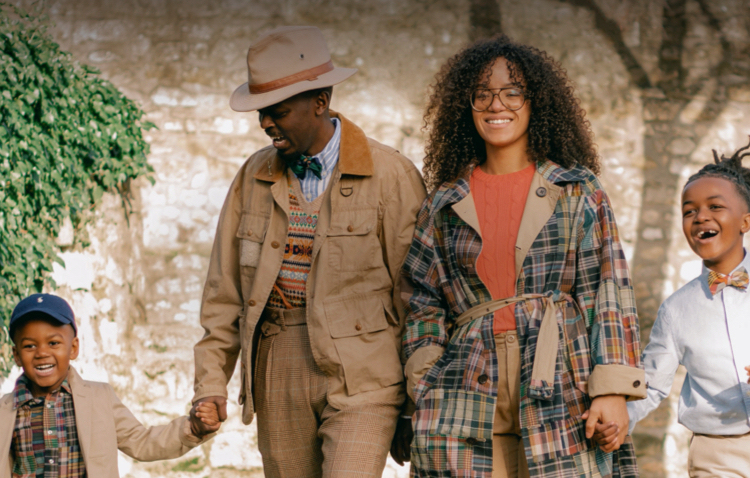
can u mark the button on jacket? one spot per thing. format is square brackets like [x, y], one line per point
[105, 425]
[567, 247]
[708, 334]
[354, 314]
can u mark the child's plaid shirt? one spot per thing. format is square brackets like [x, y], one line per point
[576, 257]
[45, 441]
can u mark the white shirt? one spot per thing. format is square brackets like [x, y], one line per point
[710, 336]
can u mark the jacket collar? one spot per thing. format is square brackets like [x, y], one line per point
[541, 201]
[355, 157]
[451, 192]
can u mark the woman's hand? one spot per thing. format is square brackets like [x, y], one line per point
[607, 411]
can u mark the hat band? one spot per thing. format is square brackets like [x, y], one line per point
[309, 75]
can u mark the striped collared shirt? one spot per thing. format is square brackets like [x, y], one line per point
[312, 187]
[45, 440]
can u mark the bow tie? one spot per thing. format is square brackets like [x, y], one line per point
[300, 166]
[717, 281]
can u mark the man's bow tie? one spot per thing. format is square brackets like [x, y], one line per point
[303, 164]
[717, 281]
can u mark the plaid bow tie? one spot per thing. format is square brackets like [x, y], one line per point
[717, 281]
[300, 166]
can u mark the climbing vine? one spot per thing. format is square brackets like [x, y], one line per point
[66, 137]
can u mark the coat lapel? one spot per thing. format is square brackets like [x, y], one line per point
[540, 205]
[83, 405]
[466, 210]
[8, 421]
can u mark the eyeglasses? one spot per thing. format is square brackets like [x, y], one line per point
[511, 97]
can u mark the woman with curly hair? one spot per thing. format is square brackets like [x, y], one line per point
[521, 331]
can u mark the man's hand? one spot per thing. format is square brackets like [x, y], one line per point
[197, 425]
[208, 413]
[401, 445]
[605, 411]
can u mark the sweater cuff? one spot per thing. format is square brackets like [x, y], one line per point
[419, 364]
[617, 380]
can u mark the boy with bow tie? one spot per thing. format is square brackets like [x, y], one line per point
[705, 325]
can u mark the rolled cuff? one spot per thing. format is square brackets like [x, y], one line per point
[419, 364]
[617, 380]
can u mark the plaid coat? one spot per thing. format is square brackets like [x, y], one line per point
[569, 248]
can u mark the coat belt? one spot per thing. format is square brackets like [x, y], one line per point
[545, 358]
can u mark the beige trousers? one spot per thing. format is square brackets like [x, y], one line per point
[716, 456]
[508, 456]
[299, 434]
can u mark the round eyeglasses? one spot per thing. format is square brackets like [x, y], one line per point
[512, 98]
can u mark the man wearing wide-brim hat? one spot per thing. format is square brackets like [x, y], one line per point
[303, 280]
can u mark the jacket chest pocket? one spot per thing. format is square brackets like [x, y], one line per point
[252, 233]
[353, 242]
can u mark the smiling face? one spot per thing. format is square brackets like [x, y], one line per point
[295, 125]
[714, 219]
[501, 129]
[44, 349]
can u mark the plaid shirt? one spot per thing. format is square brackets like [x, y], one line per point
[577, 257]
[45, 441]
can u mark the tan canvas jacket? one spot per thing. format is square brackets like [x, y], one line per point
[105, 425]
[354, 315]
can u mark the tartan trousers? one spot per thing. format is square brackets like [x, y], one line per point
[299, 434]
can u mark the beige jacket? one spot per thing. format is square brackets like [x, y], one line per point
[105, 425]
[354, 314]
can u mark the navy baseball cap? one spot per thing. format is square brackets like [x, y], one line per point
[48, 305]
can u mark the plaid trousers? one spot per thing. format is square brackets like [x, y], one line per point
[299, 434]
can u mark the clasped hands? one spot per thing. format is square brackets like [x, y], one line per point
[207, 414]
[607, 421]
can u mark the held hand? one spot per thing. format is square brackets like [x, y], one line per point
[197, 425]
[401, 445]
[747, 369]
[208, 412]
[605, 434]
[607, 409]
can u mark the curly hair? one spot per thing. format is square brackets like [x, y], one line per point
[730, 169]
[558, 129]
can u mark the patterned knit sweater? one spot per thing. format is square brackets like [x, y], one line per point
[303, 219]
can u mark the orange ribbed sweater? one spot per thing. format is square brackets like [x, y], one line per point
[500, 200]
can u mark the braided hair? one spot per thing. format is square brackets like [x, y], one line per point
[730, 169]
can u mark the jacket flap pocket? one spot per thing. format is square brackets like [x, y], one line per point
[253, 227]
[357, 222]
[355, 315]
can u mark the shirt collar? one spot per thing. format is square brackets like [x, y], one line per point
[22, 392]
[330, 154]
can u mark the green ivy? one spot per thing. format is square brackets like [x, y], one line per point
[66, 137]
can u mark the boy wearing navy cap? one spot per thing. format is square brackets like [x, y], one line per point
[55, 424]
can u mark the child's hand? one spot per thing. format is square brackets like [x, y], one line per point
[208, 413]
[605, 434]
[747, 369]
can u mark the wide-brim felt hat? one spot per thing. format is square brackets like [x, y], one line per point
[285, 62]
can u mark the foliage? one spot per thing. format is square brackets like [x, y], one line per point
[66, 137]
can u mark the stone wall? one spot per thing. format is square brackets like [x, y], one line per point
[137, 289]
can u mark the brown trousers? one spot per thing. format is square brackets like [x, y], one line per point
[299, 434]
[717, 456]
[508, 456]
